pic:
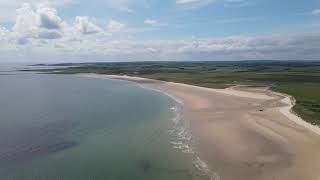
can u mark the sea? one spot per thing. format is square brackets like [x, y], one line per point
[67, 127]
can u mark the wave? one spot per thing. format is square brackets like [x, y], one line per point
[181, 134]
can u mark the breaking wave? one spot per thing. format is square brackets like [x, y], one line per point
[181, 135]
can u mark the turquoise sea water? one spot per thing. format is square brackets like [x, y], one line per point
[60, 127]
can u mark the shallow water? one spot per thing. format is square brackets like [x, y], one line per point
[59, 127]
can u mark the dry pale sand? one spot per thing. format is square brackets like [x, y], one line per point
[246, 135]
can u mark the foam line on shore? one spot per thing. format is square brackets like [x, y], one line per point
[181, 130]
[253, 144]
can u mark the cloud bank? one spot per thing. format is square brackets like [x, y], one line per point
[40, 34]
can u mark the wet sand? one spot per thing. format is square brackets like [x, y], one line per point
[246, 134]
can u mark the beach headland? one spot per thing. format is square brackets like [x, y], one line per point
[245, 134]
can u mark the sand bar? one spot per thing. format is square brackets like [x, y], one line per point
[245, 135]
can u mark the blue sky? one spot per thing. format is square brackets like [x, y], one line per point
[130, 30]
[218, 18]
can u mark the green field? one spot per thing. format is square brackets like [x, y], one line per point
[300, 79]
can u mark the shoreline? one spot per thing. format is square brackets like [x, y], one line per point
[185, 146]
[268, 137]
[289, 113]
[287, 99]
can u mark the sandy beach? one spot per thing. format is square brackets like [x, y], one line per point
[245, 134]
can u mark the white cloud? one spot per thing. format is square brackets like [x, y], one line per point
[49, 35]
[39, 33]
[116, 26]
[194, 3]
[3, 31]
[238, 3]
[122, 5]
[26, 20]
[201, 3]
[84, 26]
[235, 1]
[150, 21]
[186, 1]
[299, 46]
[129, 6]
[39, 22]
[153, 22]
[43, 22]
[22, 40]
[48, 18]
[30, 19]
[316, 12]
[7, 8]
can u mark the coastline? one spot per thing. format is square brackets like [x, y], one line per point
[285, 110]
[288, 111]
[248, 134]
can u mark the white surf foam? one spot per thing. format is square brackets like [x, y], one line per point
[181, 135]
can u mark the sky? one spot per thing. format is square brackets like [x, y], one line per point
[158, 30]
